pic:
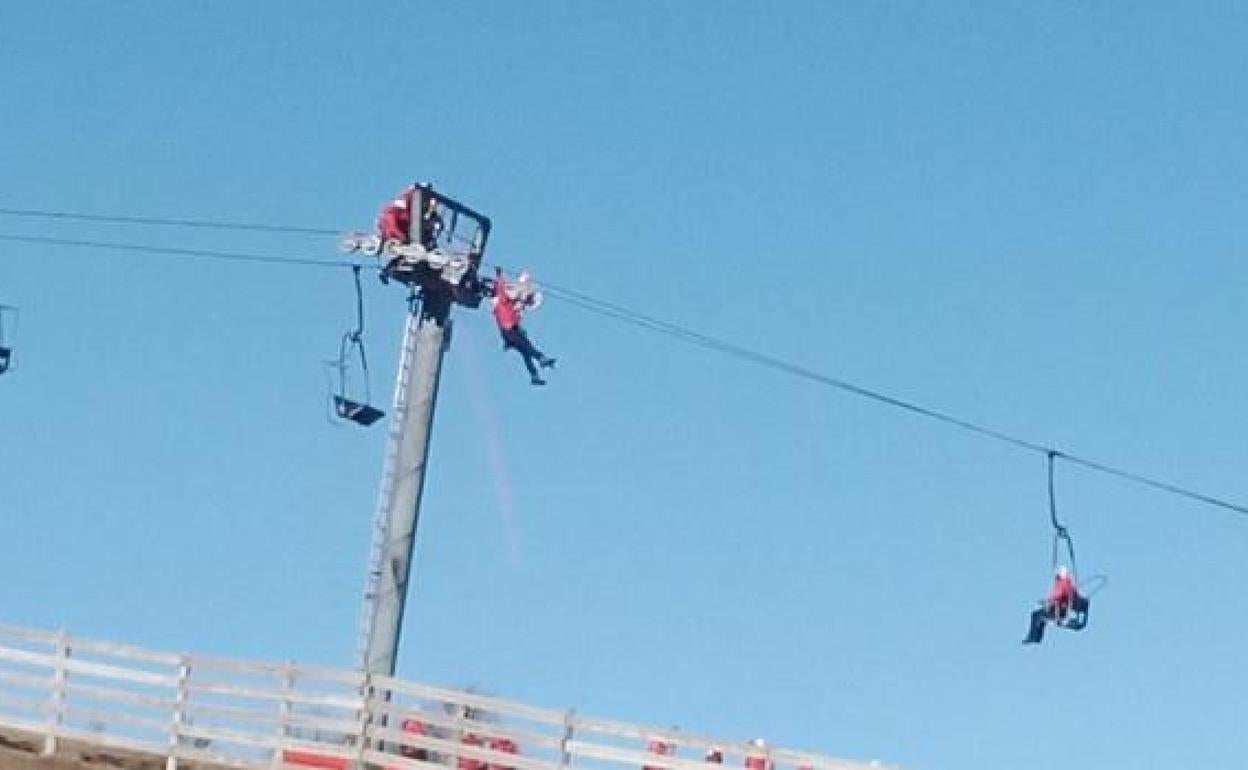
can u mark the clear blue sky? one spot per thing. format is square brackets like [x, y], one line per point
[1030, 214]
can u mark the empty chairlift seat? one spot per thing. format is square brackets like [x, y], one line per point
[361, 414]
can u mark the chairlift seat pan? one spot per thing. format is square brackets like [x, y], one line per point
[1075, 618]
[361, 414]
[6, 356]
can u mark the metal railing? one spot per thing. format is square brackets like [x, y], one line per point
[57, 689]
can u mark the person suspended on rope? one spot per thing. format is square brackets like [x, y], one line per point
[509, 301]
[1056, 606]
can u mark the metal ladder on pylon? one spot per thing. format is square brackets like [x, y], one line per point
[385, 495]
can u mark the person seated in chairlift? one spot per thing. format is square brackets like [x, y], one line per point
[1056, 605]
[509, 301]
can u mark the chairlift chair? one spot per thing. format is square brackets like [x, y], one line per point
[348, 404]
[1073, 617]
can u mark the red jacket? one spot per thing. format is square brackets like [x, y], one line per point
[468, 763]
[658, 746]
[416, 727]
[505, 745]
[506, 309]
[395, 219]
[1063, 591]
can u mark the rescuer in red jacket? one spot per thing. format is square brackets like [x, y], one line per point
[509, 302]
[394, 223]
[395, 220]
[1055, 606]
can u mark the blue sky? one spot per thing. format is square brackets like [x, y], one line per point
[1029, 214]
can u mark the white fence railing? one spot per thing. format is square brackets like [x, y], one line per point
[58, 689]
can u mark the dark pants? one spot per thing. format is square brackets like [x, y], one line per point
[1035, 634]
[515, 339]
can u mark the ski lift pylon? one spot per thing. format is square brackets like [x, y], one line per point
[349, 405]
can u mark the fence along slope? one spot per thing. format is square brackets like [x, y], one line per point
[59, 691]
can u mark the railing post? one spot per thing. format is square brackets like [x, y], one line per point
[180, 697]
[363, 720]
[565, 756]
[285, 708]
[60, 683]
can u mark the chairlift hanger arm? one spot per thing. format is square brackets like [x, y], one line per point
[359, 305]
[1060, 533]
[1057, 525]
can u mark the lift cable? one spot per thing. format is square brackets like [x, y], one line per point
[618, 312]
[205, 224]
[177, 252]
